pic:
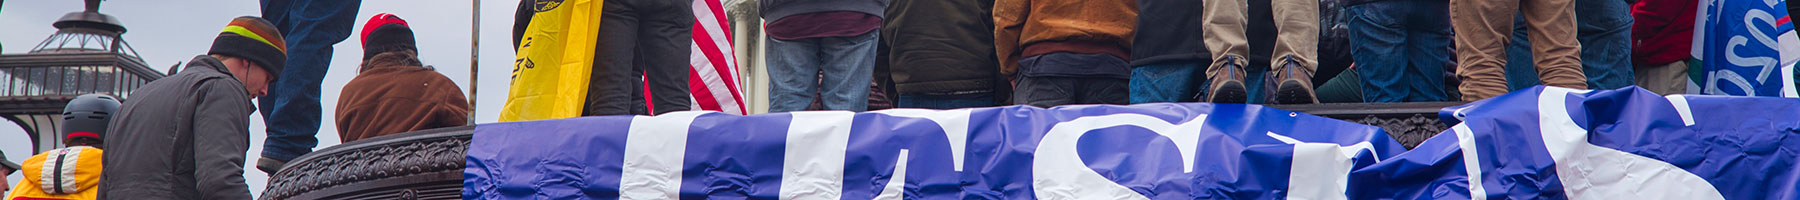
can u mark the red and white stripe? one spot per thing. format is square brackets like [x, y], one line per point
[712, 78]
[712, 72]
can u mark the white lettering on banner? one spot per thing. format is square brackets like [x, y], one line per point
[1465, 143]
[896, 185]
[1712, 83]
[1681, 108]
[1315, 164]
[1319, 171]
[813, 163]
[654, 149]
[1588, 171]
[1058, 172]
[955, 124]
[1767, 64]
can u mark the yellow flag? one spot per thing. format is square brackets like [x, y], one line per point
[550, 72]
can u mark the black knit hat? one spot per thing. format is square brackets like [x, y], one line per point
[254, 39]
[386, 33]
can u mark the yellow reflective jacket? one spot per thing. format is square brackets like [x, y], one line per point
[68, 173]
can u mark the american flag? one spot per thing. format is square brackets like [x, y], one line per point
[712, 76]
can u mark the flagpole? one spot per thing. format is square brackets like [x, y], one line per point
[474, 48]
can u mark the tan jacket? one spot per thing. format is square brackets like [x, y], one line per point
[1024, 28]
[394, 94]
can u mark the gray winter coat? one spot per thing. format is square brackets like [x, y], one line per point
[180, 137]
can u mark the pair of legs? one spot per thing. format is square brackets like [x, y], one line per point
[1167, 82]
[1292, 64]
[1482, 28]
[1063, 78]
[1603, 27]
[838, 68]
[641, 41]
[291, 109]
[1401, 48]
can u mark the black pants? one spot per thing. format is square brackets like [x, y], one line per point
[641, 37]
[1063, 78]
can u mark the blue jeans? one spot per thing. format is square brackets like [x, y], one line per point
[1604, 28]
[953, 101]
[1167, 82]
[841, 66]
[291, 109]
[1401, 49]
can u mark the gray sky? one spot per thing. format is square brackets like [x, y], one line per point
[166, 32]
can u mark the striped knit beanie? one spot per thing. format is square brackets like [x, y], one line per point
[254, 39]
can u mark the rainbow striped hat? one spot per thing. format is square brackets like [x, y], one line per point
[254, 39]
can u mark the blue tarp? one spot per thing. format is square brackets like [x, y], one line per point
[1536, 143]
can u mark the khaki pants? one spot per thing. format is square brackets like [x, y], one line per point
[1296, 20]
[1483, 28]
[1665, 79]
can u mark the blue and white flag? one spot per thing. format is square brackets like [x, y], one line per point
[1539, 143]
[1150, 151]
[1745, 48]
[1617, 144]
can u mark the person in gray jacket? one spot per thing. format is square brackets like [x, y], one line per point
[185, 136]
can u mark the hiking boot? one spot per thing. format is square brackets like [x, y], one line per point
[1293, 84]
[268, 165]
[1227, 86]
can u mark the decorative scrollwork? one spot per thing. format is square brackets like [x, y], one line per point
[1409, 131]
[393, 156]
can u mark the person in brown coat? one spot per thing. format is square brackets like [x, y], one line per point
[393, 92]
[1066, 51]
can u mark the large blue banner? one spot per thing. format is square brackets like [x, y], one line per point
[1745, 48]
[1536, 143]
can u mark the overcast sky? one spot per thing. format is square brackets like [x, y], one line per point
[166, 32]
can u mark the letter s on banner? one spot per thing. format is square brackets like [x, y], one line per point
[1058, 172]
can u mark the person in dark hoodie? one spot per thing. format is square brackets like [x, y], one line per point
[940, 54]
[184, 136]
[1169, 60]
[810, 38]
[394, 92]
[1066, 51]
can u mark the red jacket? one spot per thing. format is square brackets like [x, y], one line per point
[1664, 31]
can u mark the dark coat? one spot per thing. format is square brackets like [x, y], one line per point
[940, 47]
[180, 137]
[1169, 31]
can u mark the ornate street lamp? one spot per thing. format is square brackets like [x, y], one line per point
[85, 55]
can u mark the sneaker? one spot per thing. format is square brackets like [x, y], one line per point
[1227, 86]
[1294, 84]
[269, 165]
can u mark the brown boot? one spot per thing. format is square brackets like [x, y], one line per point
[1227, 86]
[1293, 84]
